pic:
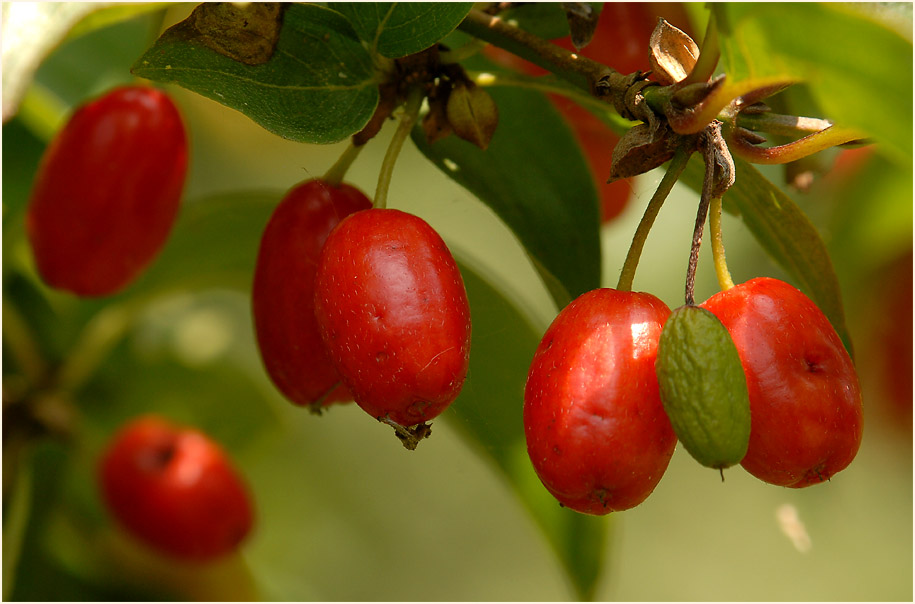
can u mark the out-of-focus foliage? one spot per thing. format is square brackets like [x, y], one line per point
[344, 513]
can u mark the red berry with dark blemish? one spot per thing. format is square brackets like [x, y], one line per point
[107, 191]
[805, 402]
[174, 489]
[393, 313]
[283, 294]
[596, 429]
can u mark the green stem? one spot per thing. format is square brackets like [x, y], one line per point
[22, 346]
[43, 112]
[708, 54]
[337, 172]
[97, 339]
[14, 528]
[411, 112]
[676, 167]
[721, 266]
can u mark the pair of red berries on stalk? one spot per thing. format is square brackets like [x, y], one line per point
[600, 436]
[358, 303]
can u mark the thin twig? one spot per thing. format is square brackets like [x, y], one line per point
[701, 214]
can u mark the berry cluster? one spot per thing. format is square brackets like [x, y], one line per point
[350, 302]
[600, 432]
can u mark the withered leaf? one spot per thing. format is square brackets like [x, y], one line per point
[435, 123]
[245, 32]
[582, 22]
[640, 150]
[472, 113]
[673, 53]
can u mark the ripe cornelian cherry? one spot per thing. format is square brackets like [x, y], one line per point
[283, 294]
[596, 430]
[393, 313]
[806, 416]
[107, 191]
[175, 490]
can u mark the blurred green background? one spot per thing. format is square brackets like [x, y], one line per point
[344, 512]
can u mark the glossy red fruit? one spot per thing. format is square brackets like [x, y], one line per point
[283, 294]
[392, 310]
[805, 401]
[596, 430]
[174, 489]
[107, 191]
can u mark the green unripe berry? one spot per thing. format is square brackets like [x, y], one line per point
[703, 387]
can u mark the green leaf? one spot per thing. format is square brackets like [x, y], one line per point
[786, 234]
[106, 16]
[489, 413]
[858, 69]
[398, 29]
[319, 85]
[535, 178]
[874, 223]
[544, 19]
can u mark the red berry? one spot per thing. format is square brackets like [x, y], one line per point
[174, 489]
[107, 191]
[393, 312]
[805, 402]
[282, 297]
[596, 430]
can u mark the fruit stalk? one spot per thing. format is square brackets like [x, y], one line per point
[701, 213]
[22, 345]
[18, 510]
[674, 169]
[102, 333]
[411, 112]
[337, 172]
[721, 266]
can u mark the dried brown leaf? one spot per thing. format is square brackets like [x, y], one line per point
[472, 113]
[673, 53]
[641, 149]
